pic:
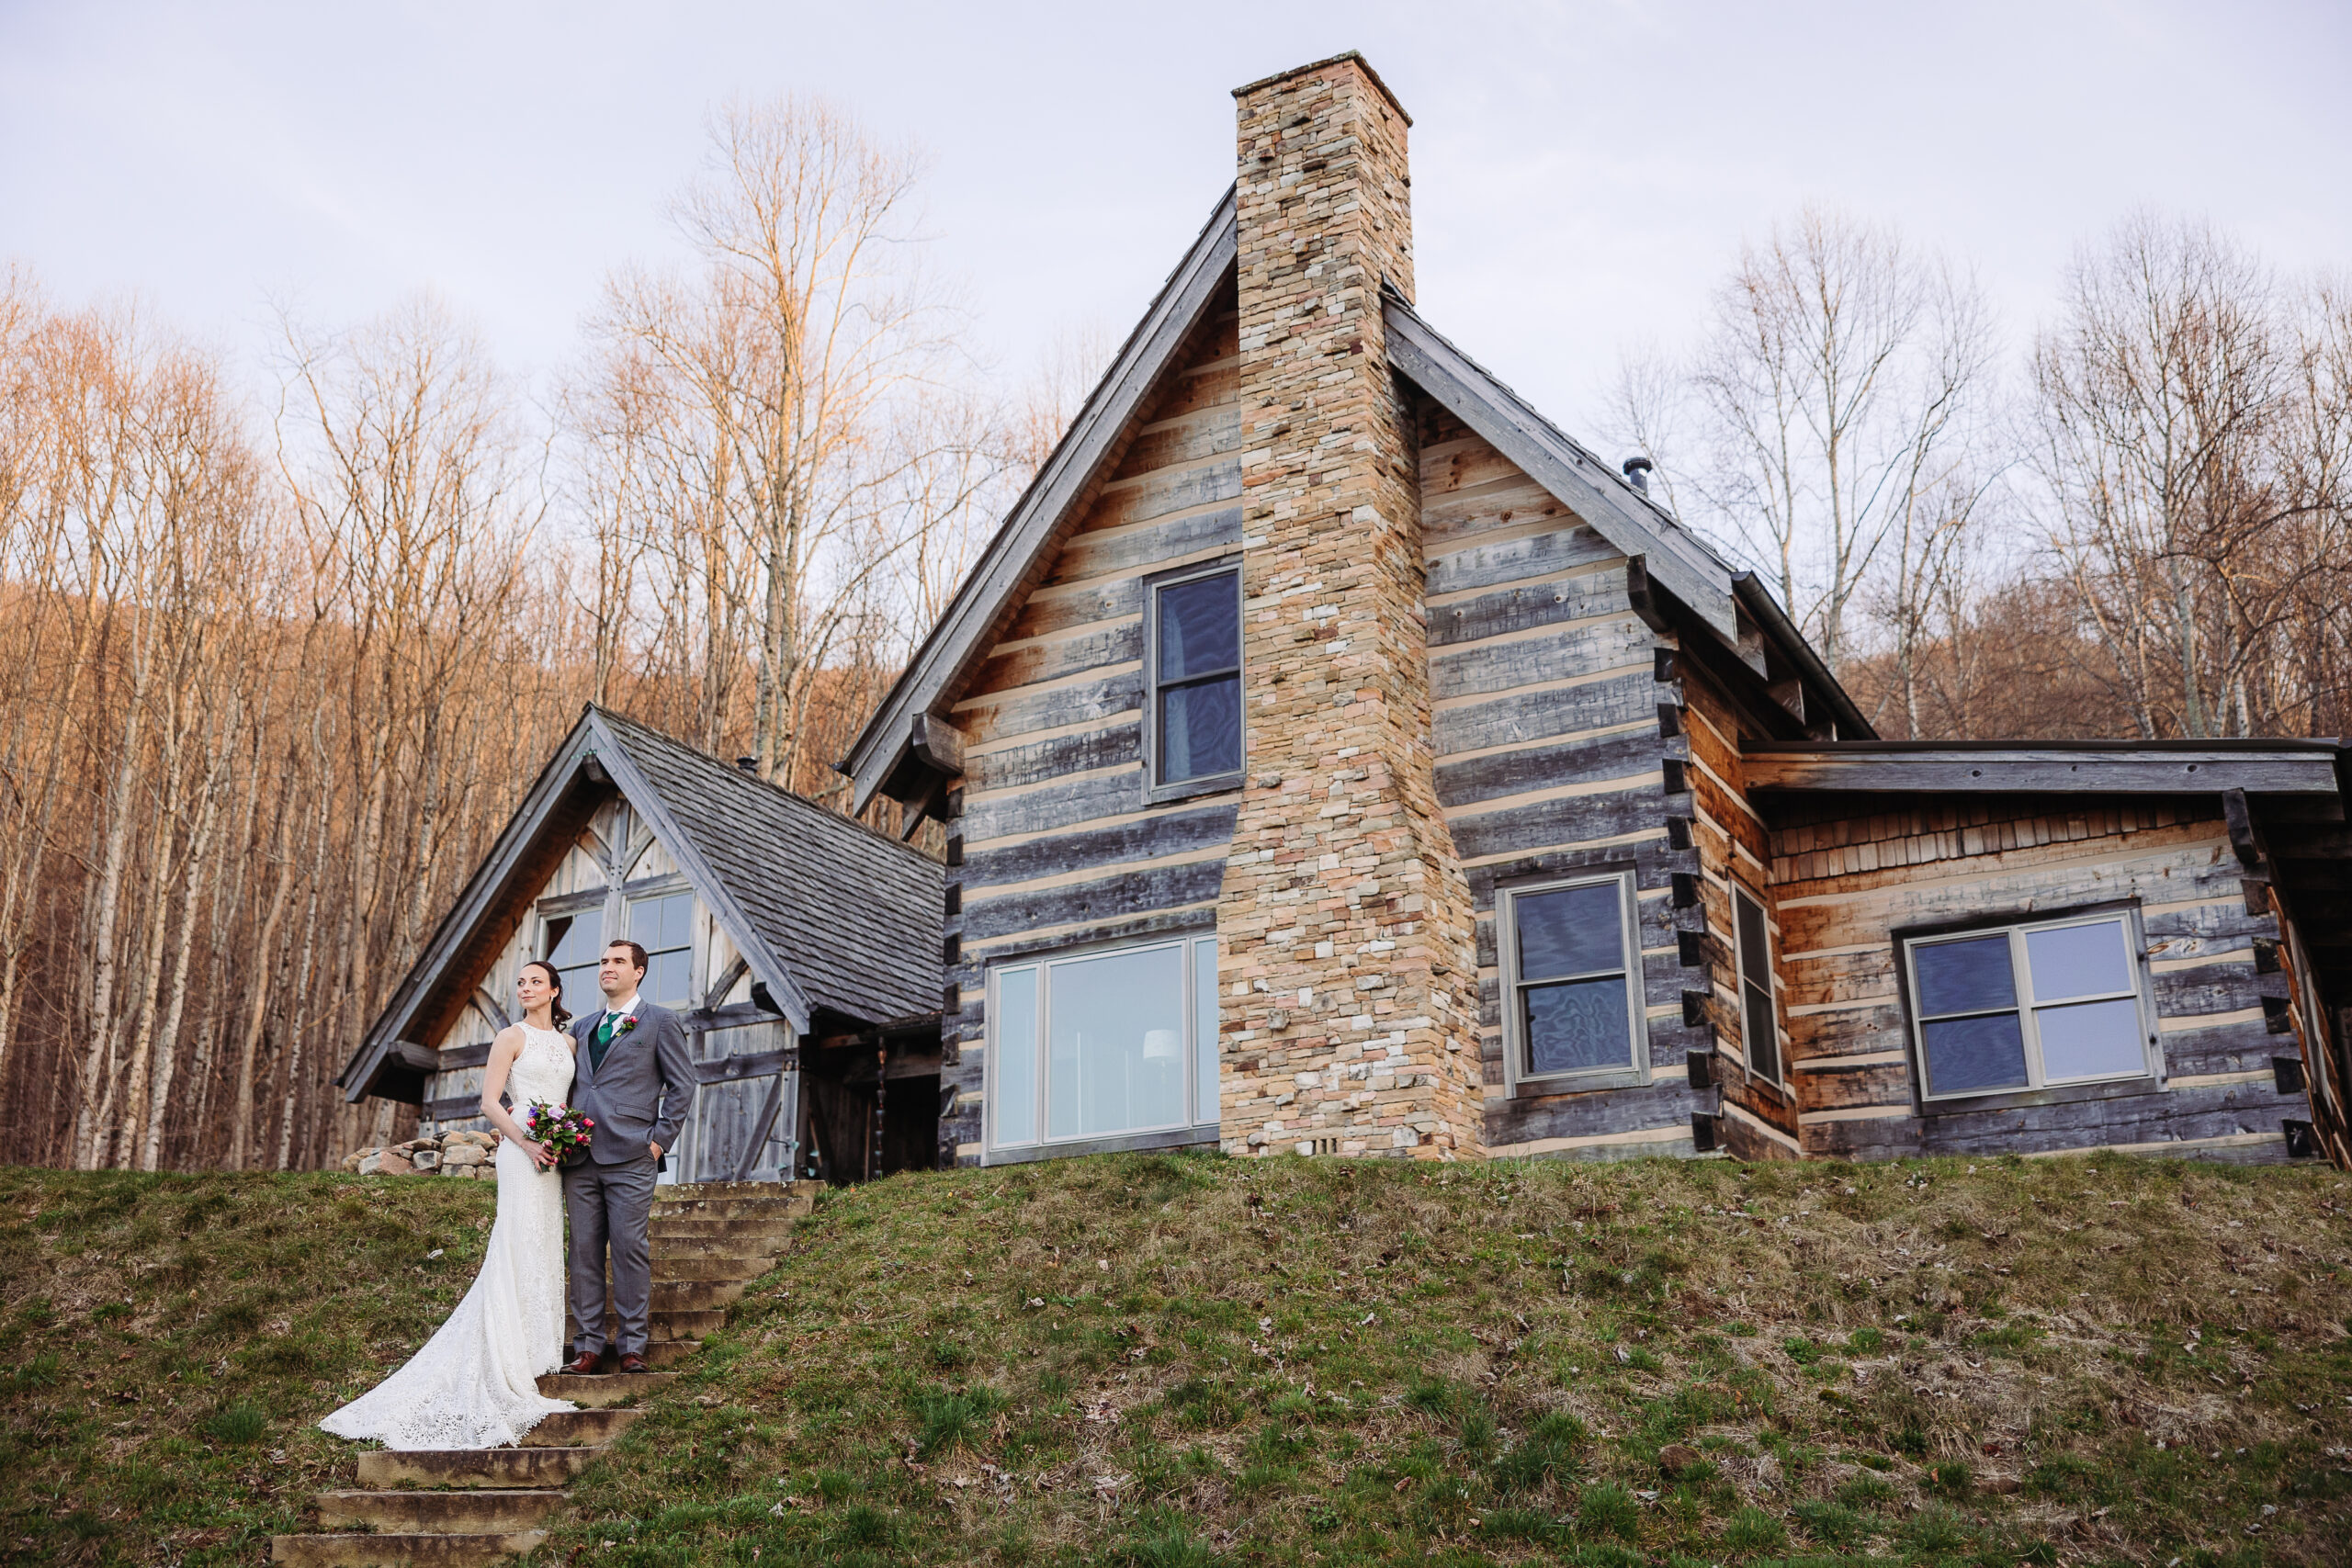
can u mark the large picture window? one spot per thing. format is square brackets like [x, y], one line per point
[664, 925]
[1759, 1021]
[1102, 1045]
[1195, 674]
[1572, 1007]
[2025, 1007]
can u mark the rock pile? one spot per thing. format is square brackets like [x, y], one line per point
[461, 1154]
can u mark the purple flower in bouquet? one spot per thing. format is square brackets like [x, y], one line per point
[560, 1127]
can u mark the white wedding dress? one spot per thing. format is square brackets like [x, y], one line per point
[475, 1385]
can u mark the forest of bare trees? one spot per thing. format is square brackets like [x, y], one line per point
[2138, 526]
[271, 679]
[274, 671]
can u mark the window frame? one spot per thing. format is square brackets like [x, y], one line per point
[2038, 1088]
[1635, 1075]
[1769, 985]
[1153, 585]
[1192, 1129]
[648, 890]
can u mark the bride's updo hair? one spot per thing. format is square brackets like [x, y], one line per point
[556, 1015]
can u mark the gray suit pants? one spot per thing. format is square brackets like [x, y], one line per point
[610, 1206]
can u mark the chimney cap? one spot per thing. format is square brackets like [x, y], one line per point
[749, 765]
[1637, 470]
[1356, 56]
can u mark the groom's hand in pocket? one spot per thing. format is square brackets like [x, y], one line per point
[656, 1148]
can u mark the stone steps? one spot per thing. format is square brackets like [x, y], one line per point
[672, 1267]
[480, 1512]
[458, 1507]
[690, 1228]
[580, 1428]
[599, 1391]
[506, 1469]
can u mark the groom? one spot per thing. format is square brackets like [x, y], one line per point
[634, 1079]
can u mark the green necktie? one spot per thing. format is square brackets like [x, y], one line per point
[603, 1039]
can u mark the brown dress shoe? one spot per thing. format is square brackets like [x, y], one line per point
[633, 1362]
[582, 1365]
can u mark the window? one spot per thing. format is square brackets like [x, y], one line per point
[1102, 1045]
[1759, 1030]
[1574, 1004]
[664, 925]
[2029, 1006]
[574, 943]
[1195, 678]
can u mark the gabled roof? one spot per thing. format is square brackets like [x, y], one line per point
[1675, 558]
[827, 913]
[1032, 529]
[852, 916]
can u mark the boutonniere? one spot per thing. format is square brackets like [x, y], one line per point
[624, 1026]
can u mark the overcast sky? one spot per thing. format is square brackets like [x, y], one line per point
[1583, 172]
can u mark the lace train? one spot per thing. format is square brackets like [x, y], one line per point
[475, 1384]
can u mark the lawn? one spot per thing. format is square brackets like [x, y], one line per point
[1176, 1361]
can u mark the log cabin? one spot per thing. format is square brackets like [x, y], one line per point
[800, 948]
[1338, 758]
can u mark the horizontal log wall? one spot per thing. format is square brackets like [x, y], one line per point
[1760, 1117]
[1545, 725]
[1058, 847]
[1844, 882]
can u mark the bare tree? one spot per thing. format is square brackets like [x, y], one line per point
[1830, 398]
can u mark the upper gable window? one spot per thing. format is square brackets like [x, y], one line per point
[1194, 679]
[574, 943]
[2026, 1007]
[1573, 1015]
[664, 925]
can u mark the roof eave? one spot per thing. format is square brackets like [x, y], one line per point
[2265, 768]
[765, 964]
[953, 646]
[360, 1072]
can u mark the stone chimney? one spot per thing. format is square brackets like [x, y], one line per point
[1347, 966]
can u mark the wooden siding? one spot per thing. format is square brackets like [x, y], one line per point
[720, 1122]
[1846, 879]
[1759, 1116]
[1057, 845]
[1545, 734]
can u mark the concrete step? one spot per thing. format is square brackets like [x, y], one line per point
[440, 1513]
[696, 1295]
[506, 1469]
[683, 1191]
[690, 1228]
[667, 1268]
[664, 1324]
[580, 1428]
[756, 1254]
[401, 1550]
[769, 1208]
[602, 1391]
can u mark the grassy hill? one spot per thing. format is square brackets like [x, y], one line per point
[1174, 1361]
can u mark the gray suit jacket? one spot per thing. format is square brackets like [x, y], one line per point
[641, 1093]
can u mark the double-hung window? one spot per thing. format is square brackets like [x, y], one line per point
[1107, 1044]
[1193, 676]
[1572, 971]
[2028, 1006]
[664, 925]
[1759, 1024]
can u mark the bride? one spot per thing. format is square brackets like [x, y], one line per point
[475, 1385]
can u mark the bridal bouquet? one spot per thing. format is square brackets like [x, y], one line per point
[560, 1127]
